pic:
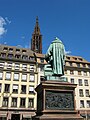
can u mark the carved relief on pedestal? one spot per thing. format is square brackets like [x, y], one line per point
[59, 100]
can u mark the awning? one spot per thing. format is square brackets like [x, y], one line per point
[83, 115]
[26, 116]
[3, 115]
[88, 115]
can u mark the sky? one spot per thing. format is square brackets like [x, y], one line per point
[69, 20]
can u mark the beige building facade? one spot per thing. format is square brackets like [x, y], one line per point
[18, 79]
[77, 71]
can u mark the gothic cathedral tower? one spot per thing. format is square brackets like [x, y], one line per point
[36, 41]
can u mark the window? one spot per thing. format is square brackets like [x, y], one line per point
[31, 67]
[22, 102]
[81, 92]
[24, 77]
[10, 55]
[87, 93]
[14, 102]
[88, 104]
[16, 76]
[32, 77]
[17, 66]
[9, 65]
[23, 89]
[24, 57]
[18, 56]
[78, 64]
[86, 82]
[42, 60]
[3, 55]
[15, 88]
[85, 73]
[5, 49]
[88, 66]
[42, 78]
[17, 50]
[8, 76]
[81, 103]
[24, 67]
[71, 72]
[0, 87]
[31, 89]
[72, 80]
[65, 71]
[10, 49]
[68, 58]
[31, 102]
[79, 73]
[84, 65]
[24, 51]
[5, 102]
[70, 64]
[7, 88]
[80, 82]
[80, 59]
[31, 58]
[42, 68]
[1, 65]
[1, 75]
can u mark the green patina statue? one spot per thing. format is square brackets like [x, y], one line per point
[55, 58]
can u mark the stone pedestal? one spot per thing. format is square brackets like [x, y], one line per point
[55, 101]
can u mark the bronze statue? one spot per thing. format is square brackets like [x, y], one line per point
[55, 57]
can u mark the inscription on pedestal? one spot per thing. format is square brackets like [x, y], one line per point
[59, 100]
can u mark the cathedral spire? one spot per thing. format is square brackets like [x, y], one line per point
[37, 28]
[36, 41]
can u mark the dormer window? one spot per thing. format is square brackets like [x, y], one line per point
[18, 56]
[10, 55]
[31, 58]
[24, 57]
[68, 58]
[3, 55]
[80, 59]
[10, 49]
[23, 51]
[5, 49]
[17, 50]
[42, 60]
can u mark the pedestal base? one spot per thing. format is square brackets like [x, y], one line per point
[58, 117]
[55, 101]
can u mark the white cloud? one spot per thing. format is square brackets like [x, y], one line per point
[2, 28]
[67, 52]
[8, 21]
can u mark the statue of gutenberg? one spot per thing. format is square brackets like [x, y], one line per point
[55, 57]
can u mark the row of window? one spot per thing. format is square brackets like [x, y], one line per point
[81, 93]
[72, 72]
[77, 64]
[14, 102]
[17, 66]
[17, 56]
[82, 104]
[15, 88]
[80, 82]
[16, 76]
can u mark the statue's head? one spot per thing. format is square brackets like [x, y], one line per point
[57, 40]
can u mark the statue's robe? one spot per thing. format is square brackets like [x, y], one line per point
[56, 57]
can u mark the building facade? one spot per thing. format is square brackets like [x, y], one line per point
[18, 79]
[77, 71]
